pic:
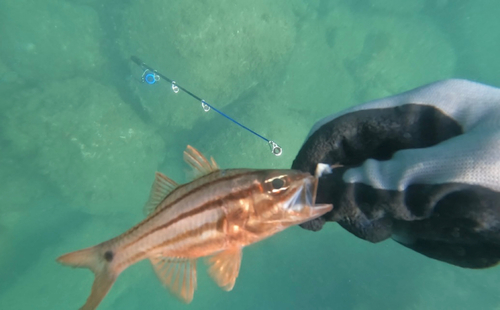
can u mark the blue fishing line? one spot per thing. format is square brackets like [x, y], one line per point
[151, 76]
[234, 121]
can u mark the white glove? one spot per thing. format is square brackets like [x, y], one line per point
[422, 167]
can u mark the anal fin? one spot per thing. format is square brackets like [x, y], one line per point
[224, 267]
[178, 275]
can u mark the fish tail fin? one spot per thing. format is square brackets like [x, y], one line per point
[93, 259]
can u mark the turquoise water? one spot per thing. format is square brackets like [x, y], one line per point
[81, 137]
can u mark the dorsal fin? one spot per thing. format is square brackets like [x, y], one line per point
[201, 166]
[162, 186]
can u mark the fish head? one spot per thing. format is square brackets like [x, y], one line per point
[287, 197]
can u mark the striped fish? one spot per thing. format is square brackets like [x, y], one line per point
[214, 216]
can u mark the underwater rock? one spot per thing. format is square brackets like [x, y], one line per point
[19, 190]
[386, 55]
[10, 82]
[340, 60]
[395, 6]
[39, 39]
[219, 50]
[49, 235]
[90, 145]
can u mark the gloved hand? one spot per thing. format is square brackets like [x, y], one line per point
[422, 167]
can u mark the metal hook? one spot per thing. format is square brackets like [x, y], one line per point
[175, 88]
[205, 106]
[275, 148]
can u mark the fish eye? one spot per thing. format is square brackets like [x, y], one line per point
[277, 183]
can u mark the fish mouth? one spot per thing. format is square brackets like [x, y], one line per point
[303, 200]
[307, 192]
[307, 199]
[304, 192]
[310, 189]
[298, 205]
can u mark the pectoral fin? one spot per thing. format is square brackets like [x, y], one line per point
[224, 267]
[178, 275]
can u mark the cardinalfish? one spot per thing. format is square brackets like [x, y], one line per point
[214, 216]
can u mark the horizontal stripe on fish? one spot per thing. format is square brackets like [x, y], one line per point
[195, 189]
[202, 183]
[225, 197]
[198, 226]
[227, 203]
[191, 240]
[176, 232]
[168, 229]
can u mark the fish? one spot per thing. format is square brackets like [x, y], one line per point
[212, 217]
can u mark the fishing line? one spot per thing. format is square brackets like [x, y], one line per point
[151, 76]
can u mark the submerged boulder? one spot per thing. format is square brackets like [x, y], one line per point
[50, 39]
[219, 50]
[387, 54]
[90, 145]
